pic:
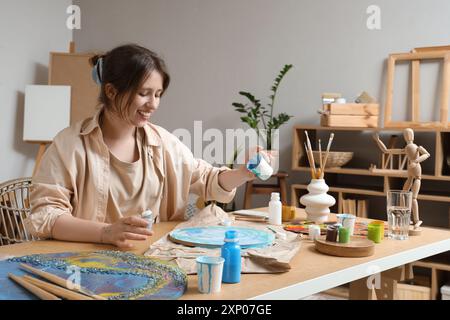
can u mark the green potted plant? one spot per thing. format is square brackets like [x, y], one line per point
[257, 114]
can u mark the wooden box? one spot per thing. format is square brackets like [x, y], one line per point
[412, 292]
[335, 120]
[354, 109]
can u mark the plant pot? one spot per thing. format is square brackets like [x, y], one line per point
[317, 202]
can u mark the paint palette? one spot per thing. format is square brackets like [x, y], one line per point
[302, 227]
[212, 236]
[114, 275]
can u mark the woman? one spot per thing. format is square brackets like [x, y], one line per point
[99, 174]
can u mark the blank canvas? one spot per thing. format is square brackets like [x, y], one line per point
[47, 111]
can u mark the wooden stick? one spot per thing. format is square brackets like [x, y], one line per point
[313, 175]
[312, 156]
[320, 160]
[38, 292]
[445, 96]
[39, 156]
[60, 281]
[308, 155]
[250, 219]
[57, 290]
[330, 140]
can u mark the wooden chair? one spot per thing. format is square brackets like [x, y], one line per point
[280, 186]
[14, 209]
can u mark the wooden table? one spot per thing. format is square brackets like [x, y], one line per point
[311, 271]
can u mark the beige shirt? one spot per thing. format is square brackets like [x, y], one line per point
[75, 177]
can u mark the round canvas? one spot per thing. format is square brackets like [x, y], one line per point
[212, 236]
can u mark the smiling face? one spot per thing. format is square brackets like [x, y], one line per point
[136, 107]
[133, 79]
[146, 100]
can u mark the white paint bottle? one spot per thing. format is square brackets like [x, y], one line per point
[148, 215]
[275, 207]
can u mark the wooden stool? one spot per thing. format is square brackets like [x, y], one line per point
[280, 187]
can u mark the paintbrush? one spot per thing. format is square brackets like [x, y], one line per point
[330, 140]
[38, 292]
[320, 160]
[61, 282]
[57, 290]
[311, 154]
[313, 175]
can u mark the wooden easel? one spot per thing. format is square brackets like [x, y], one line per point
[42, 147]
[415, 57]
[43, 144]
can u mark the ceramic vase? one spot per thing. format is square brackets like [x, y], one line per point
[317, 202]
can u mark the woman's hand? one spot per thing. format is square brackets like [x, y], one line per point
[231, 179]
[129, 228]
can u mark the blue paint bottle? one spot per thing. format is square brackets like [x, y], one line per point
[231, 252]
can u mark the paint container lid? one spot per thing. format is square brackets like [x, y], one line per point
[210, 259]
[231, 236]
[147, 214]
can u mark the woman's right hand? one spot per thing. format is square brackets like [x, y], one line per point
[128, 228]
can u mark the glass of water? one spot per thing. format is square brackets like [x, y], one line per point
[399, 213]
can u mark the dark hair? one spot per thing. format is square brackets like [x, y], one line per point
[126, 68]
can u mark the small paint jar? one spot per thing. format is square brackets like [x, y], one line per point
[313, 231]
[347, 220]
[332, 233]
[148, 216]
[288, 213]
[375, 231]
[344, 235]
[260, 166]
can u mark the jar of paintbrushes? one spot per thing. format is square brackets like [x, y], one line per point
[317, 202]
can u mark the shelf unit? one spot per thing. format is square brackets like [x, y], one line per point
[440, 172]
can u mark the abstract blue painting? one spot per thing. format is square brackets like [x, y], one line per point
[212, 236]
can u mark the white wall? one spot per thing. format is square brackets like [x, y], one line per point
[215, 48]
[29, 30]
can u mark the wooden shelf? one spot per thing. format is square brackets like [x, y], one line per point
[367, 192]
[437, 274]
[339, 190]
[313, 127]
[440, 138]
[431, 264]
[367, 172]
[354, 190]
[432, 197]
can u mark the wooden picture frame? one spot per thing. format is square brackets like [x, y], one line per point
[415, 58]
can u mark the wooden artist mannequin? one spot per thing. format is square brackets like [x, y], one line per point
[415, 155]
